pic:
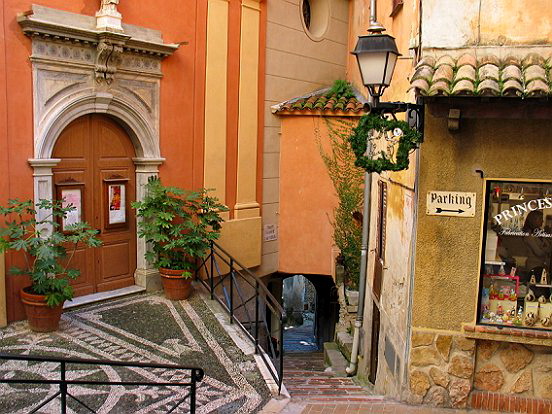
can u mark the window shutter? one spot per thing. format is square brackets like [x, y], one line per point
[380, 239]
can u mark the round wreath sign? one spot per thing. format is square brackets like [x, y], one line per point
[408, 141]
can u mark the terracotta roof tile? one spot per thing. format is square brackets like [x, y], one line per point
[489, 75]
[443, 73]
[466, 72]
[467, 59]
[318, 101]
[445, 60]
[489, 71]
[463, 87]
[489, 87]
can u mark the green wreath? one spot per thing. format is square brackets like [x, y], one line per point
[409, 140]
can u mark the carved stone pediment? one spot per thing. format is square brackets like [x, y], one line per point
[65, 37]
[84, 64]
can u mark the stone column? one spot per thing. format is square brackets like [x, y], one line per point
[43, 184]
[146, 275]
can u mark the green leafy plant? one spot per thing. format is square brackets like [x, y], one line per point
[178, 225]
[347, 180]
[47, 250]
[341, 88]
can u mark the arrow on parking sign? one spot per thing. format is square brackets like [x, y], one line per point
[443, 210]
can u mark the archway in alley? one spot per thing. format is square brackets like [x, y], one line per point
[312, 310]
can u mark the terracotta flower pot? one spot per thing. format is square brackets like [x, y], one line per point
[41, 317]
[176, 287]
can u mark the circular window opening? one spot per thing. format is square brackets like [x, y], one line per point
[315, 16]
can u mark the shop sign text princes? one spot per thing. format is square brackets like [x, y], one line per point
[520, 210]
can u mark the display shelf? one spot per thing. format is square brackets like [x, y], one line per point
[539, 285]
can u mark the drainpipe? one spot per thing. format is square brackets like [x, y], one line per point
[374, 27]
[351, 369]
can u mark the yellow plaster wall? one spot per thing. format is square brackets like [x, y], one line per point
[247, 205]
[215, 94]
[454, 23]
[448, 248]
[242, 239]
[3, 310]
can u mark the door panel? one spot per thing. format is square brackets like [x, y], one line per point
[97, 152]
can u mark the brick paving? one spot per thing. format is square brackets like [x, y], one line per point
[306, 380]
[314, 390]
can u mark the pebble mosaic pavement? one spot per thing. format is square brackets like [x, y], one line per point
[142, 328]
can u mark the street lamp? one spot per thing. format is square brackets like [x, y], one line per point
[376, 56]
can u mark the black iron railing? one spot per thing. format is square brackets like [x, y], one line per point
[249, 303]
[196, 375]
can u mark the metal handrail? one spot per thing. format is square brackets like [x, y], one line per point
[230, 288]
[196, 376]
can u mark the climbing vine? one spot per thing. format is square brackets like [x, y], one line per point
[409, 140]
[348, 183]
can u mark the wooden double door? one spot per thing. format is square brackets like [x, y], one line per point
[97, 175]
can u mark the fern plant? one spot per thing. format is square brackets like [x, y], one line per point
[48, 252]
[178, 225]
[348, 183]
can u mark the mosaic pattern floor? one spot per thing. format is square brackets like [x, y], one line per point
[143, 328]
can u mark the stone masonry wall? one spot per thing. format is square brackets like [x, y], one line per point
[441, 369]
[517, 369]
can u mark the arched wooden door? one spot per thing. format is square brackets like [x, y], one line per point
[97, 174]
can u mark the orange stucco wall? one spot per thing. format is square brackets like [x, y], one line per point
[182, 108]
[307, 198]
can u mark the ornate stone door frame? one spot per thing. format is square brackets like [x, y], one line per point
[82, 65]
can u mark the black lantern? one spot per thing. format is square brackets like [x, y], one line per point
[376, 55]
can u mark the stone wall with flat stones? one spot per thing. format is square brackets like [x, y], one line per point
[517, 369]
[445, 368]
[441, 369]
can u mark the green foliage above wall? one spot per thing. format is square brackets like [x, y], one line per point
[348, 183]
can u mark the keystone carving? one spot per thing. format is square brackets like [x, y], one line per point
[108, 58]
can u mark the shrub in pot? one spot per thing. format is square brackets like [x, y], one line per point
[47, 253]
[178, 226]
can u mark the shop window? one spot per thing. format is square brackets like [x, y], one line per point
[515, 283]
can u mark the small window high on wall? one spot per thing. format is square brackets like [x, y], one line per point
[515, 283]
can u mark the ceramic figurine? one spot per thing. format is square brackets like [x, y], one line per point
[530, 319]
[492, 291]
[530, 297]
[546, 321]
[533, 280]
[513, 295]
[542, 299]
[499, 310]
[513, 271]
[544, 278]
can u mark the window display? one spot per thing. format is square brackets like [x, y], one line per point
[515, 284]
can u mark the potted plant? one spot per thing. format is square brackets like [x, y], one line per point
[47, 252]
[178, 226]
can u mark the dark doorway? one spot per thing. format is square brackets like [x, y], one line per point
[299, 300]
[312, 316]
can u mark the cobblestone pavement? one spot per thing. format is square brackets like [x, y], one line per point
[141, 328]
[300, 338]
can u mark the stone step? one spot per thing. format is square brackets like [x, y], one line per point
[334, 358]
[345, 344]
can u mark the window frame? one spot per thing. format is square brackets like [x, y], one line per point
[485, 211]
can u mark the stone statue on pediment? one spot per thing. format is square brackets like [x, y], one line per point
[109, 6]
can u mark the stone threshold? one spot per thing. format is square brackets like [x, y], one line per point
[101, 296]
[508, 334]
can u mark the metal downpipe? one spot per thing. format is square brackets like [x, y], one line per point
[352, 368]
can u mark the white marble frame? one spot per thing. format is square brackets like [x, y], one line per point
[144, 137]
